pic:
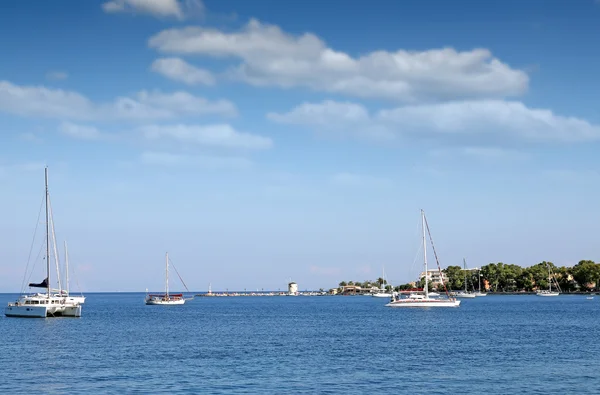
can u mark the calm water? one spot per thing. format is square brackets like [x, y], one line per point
[326, 345]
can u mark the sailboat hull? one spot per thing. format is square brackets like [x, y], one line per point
[424, 303]
[547, 293]
[164, 302]
[382, 295]
[459, 295]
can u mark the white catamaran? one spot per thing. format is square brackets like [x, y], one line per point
[54, 302]
[423, 299]
[166, 298]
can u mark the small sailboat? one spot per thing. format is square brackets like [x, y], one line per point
[382, 293]
[424, 300]
[167, 298]
[72, 298]
[465, 293]
[549, 291]
[52, 303]
[478, 292]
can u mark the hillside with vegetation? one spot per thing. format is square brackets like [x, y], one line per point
[501, 277]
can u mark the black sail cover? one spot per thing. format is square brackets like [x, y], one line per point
[43, 284]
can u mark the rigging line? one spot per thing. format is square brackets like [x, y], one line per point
[436, 257]
[37, 224]
[178, 274]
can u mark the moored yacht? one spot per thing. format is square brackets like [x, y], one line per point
[424, 300]
[52, 303]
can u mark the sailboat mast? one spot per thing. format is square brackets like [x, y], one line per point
[47, 233]
[167, 275]
[425, 256]
[465, 267]
[479, 278]
[67, 267]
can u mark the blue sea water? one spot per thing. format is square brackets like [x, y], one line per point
[305, 345]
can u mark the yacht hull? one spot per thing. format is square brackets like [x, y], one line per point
[165, 302]
[547, 294]
[464, 296]
[424, 303]
[382, 295]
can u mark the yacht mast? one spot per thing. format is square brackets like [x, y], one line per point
[167, 276]
[67, 267]
[47, 234]
[465, 267]
[425, 256]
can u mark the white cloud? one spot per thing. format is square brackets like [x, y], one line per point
[145, 105]
[219, 135]
[30, 137]
[360, 180]
[269, 56]
[179, 70]
[81, 132]
[481, 153]
[57, 75]
[321, 114]
[202, 161]
[486, 120]
[7, 169]
[158, 8]
[506, 119]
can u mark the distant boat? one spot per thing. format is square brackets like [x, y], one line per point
[423, 300]
[590, 298]
[465, 293]
[549, 291]
[166, 298]
[382, 293]
[54, 302]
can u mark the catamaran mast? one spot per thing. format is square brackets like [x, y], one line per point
[425, 256]
[167, 276]
[67, 267]
[47, 233]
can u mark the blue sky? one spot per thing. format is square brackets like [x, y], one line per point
[267, 140]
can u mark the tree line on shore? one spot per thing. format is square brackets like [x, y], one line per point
[501, 277]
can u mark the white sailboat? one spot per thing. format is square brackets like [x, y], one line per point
[549, 291]
[72, 298]
[166, 298]
[478, 292]
[52, 303]
[465, 293]
[382, 293]
[424, 300]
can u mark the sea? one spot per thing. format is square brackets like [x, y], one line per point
[521, 344]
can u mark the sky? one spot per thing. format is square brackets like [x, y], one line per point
[264, 141]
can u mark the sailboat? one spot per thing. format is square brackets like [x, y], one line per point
[52, 303]
[72, 298]
[382, 293]
[549, 291]
[465, 293]
[166, 298]
[423, 300]
[478, 292]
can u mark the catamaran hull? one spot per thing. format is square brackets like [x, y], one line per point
[424, 303]
[31, 311]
